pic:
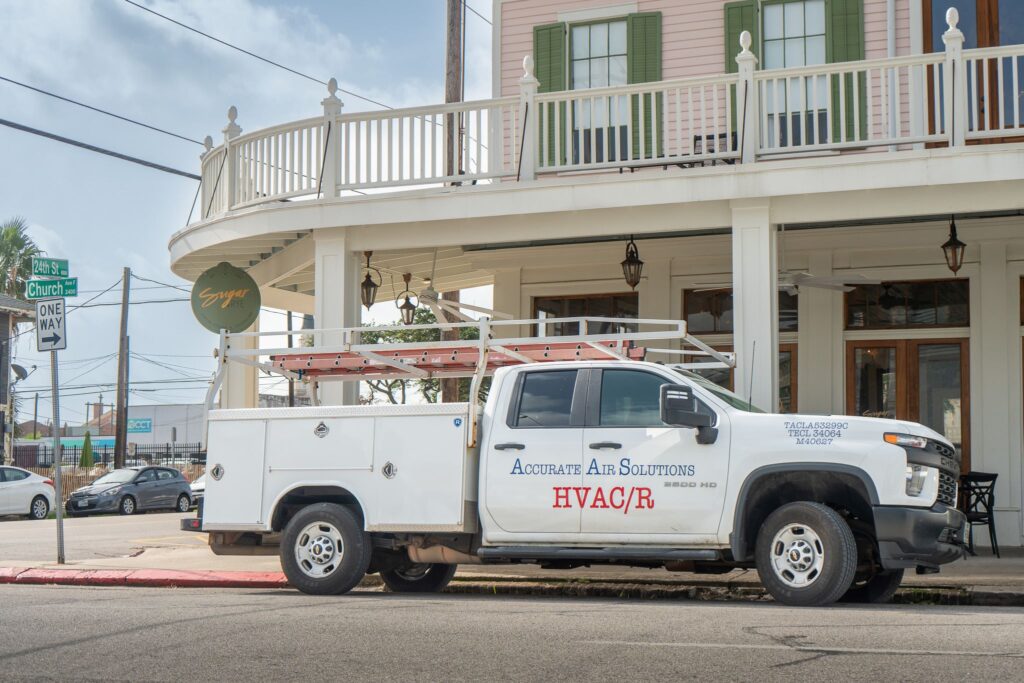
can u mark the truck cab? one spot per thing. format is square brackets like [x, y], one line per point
[602, 459]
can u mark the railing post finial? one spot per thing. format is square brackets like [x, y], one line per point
[745, 42]
[952, 17]
[207, 146]
[332, 104]
[528, 67]
[232, 130]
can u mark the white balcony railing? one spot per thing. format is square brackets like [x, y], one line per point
[882, 105]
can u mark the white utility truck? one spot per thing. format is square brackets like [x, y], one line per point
[583, 454]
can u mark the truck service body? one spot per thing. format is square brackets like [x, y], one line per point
[605, 459]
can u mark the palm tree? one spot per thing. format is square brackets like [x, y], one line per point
[16, 252]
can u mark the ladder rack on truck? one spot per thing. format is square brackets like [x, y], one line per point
[339, 355]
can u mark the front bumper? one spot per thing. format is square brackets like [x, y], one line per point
[920, 537]
[79, 506]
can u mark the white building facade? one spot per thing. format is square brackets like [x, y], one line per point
[788, 169]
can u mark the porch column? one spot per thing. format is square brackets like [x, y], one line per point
[755, 303]
[818, 339]
[507, 298]
[240, 388]
[336, 278]
[993, 430]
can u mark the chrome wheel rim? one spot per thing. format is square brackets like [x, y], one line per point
[797, 555]
[128, 505]
[39, 508]
[412, 572]
[319, 550]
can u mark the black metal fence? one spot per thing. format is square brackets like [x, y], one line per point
[176, 454]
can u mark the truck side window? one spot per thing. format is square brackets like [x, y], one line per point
[631, 398]
[546, 399]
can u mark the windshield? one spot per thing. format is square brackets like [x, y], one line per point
[719, 392]
[117, 477]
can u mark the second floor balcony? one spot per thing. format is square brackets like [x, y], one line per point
[949, 99]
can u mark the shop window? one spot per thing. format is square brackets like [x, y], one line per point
[588, 306]
[710, 311]
[894, 305]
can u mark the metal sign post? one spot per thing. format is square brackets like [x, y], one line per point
[51, 335]
[58, 458]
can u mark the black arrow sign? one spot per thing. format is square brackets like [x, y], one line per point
[52, 339]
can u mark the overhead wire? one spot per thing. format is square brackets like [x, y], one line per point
[101, 111]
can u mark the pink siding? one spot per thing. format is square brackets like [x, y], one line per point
[693, 33]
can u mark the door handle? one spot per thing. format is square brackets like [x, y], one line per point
[605, 444]
[509, 446]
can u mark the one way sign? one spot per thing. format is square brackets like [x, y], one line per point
[51, 332]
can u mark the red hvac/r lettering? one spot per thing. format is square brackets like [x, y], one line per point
[616, 498]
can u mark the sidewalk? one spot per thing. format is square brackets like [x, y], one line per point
[980, 580]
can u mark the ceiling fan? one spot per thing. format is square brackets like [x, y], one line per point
[443, 309]
[790, 281]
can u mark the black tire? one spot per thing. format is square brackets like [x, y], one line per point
[810, 535]
[39, 508]
[184, 503]
[876, 590]
[418, 578]
[128, 506]
[309, 547]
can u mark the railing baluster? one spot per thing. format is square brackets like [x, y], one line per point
[1018, 92]
[1001, 100]
[714, 117]
[679, 125]
[593, 131]
[479, 138]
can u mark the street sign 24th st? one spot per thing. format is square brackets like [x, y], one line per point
[49, 267]
[50, 289]
[51, 330]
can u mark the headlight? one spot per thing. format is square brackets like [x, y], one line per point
[112, 492]
[906, 440]
[916, 477]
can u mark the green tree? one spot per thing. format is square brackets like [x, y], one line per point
[16, 252]
[396, 391]
[86, 460]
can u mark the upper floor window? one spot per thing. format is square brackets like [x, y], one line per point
[794, 34]
[599, 55]
[937, 303]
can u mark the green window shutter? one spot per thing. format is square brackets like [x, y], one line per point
[844, 42]
[739, 17]
[643, 65]
[550, 65]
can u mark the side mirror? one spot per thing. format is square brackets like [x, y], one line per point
[679, 407]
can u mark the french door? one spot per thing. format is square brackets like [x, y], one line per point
[922, 380]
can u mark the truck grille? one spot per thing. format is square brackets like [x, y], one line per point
[947, 489]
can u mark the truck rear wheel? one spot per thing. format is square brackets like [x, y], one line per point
[878, 589]
[324, 550]
[806, 554]
[418, 578]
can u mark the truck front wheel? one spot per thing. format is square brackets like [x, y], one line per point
[418, 578]
[806, 554]
[878, 589]
[324, 550]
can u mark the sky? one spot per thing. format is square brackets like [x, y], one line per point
[104, 214]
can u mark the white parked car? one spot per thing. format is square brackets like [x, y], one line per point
[25, 493]
[198, 489]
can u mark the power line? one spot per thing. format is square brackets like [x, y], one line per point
[162, 284]
[253, 54]
[101, 111]
[99, 150]
[467, 6]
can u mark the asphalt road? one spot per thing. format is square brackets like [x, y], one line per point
[110, 634]
[88, 538]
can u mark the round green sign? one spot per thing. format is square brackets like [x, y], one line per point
[226, 298]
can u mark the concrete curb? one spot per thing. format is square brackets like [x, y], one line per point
[153, 578]
[980, 596]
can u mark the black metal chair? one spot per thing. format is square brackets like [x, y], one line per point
[979, 501]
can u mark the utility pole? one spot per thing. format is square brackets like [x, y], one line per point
[121, 412]
[35, 419]
[454, 83]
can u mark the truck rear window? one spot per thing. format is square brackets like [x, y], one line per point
[546, 399]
